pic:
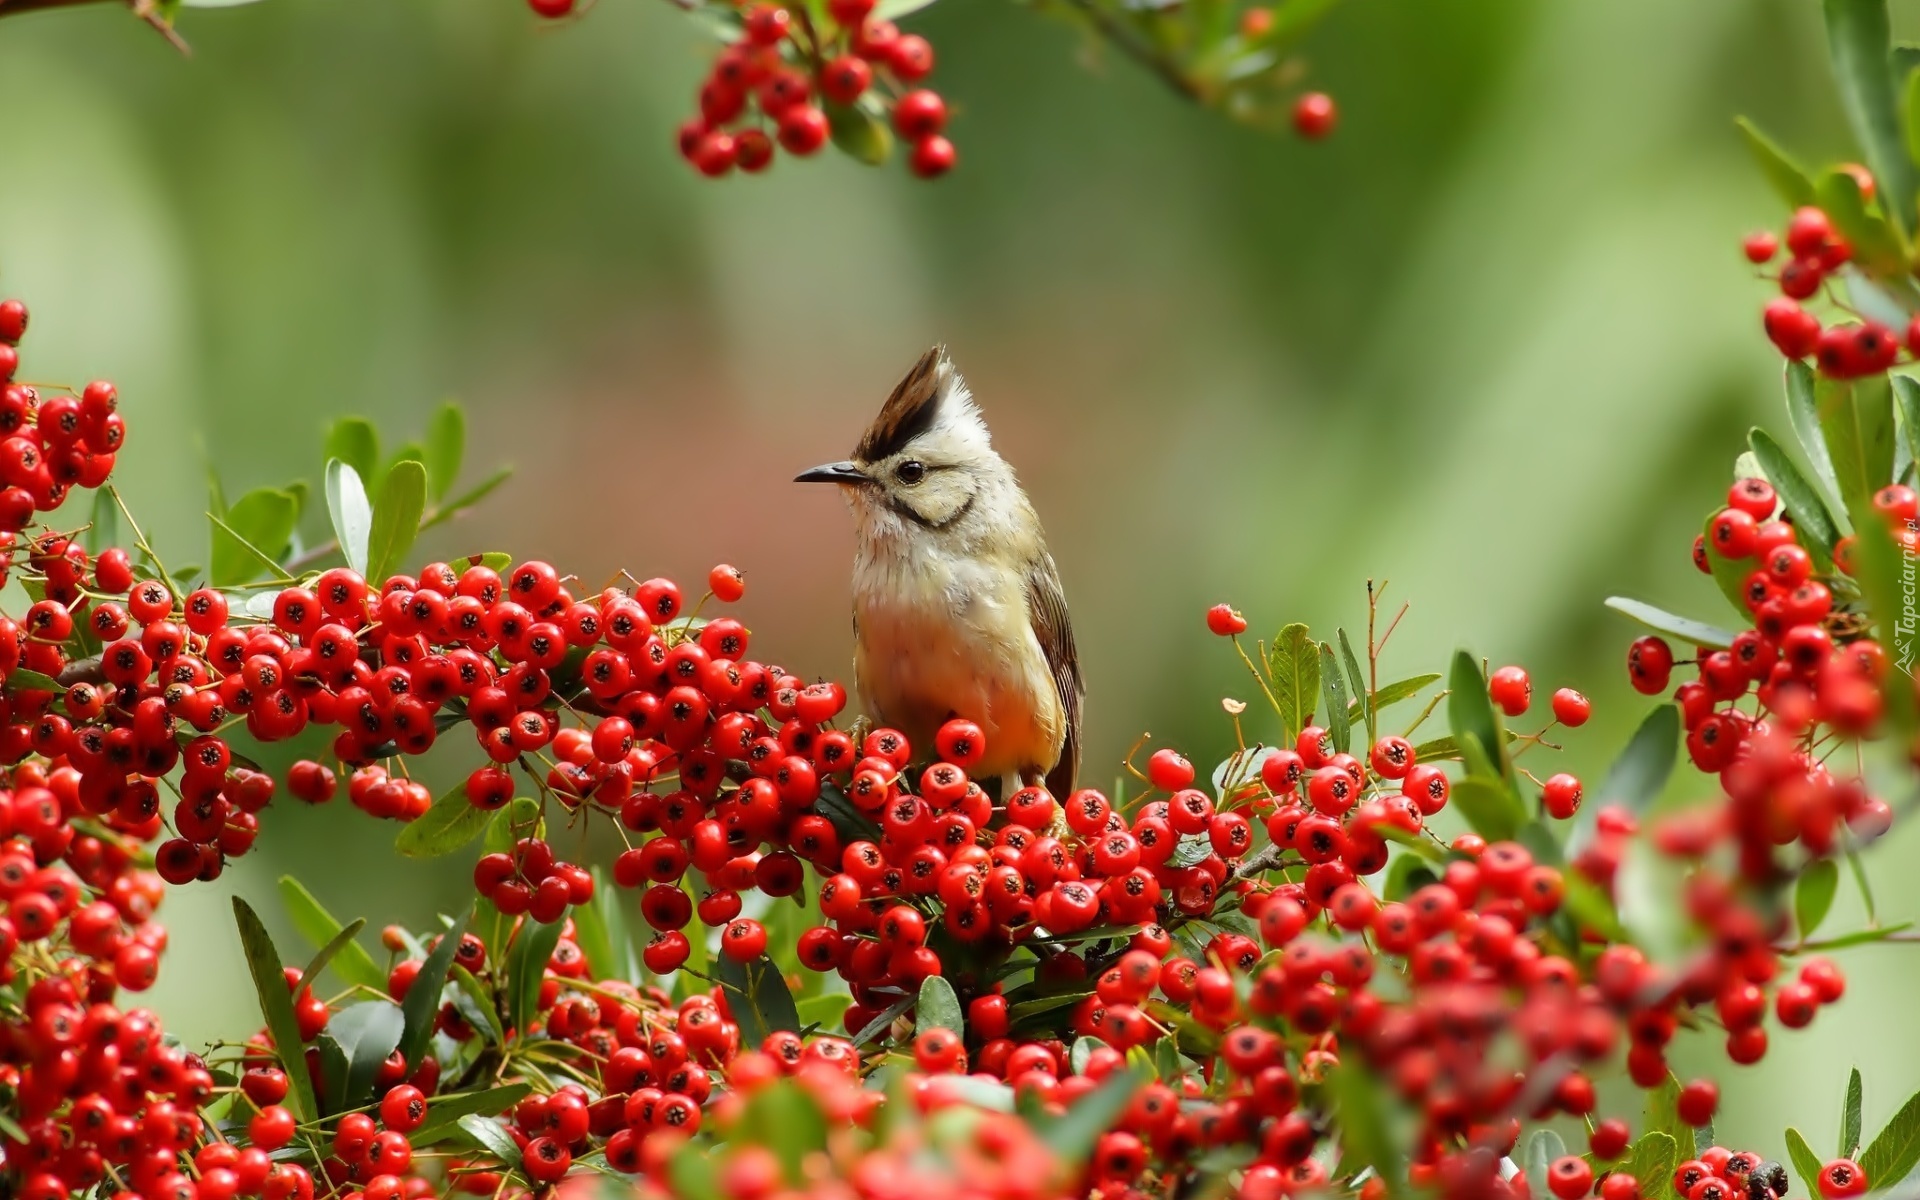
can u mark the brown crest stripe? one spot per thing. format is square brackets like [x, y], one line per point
[908, 413]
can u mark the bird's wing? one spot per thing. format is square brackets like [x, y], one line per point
[1047, 610]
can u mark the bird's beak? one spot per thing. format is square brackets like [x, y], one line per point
[840, 472]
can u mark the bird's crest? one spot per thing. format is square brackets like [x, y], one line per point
[932, 394]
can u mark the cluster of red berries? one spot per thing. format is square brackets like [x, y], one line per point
[1815, 251]
[788, 77]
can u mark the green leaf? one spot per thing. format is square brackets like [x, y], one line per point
[450, 509]
[445, 447]
[1082, 1053]
[858, 133]
[825, 1010]
[451, 823]
[103, 526]
[350, 512]
[1652, 1162]
[276, 1008]
[893, 10]
[444, 1112]
[1878, 568]
[356, 1041]
[1864, 937]
[1357, 684]
[354, 441]
[526, 968]
[1850, 1116]
[1797, 494]
[20, 679]
[758, 996]
[250, 539]
[1476, 727]
[1813, 894]
[1903, 69]
[1856, 418]
[1803, 410]
[325, 955]
[421, 1006]
[1543, 1146]
[480, 1003]
[938, 1007]
[1333, 688]
[1591, 908]
[1663, 1114]
[1893, 1153]
[1906, 410]
[693, 1176]
[882, 1021]
[785, 1118]
[1293, 663]
[1860, 44]
[1645, 888]
[1806, 1164]
[1787, 178]
[396, 519]
[1407, 874]
[849, 822]
[1071, 1136]
[1492, 809]
[351, 963]
[1360, 1110]
[1877, 247]
[1639, 774]
[1388, 695]
[494, 1137]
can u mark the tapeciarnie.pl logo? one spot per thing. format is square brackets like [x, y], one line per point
[1909, 622]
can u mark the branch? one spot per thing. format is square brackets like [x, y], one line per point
[1140, 51]
[147, 10]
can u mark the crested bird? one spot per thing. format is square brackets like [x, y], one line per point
[957, 604]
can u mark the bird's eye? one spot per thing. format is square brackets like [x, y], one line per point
[910, 472]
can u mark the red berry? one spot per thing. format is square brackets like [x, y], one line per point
[1225, 621]
[1793, 330]
[746, 939]
[1808, 232]
[1842, 1177]
[1511, 689]
[13, 320]
[1561, 796]
[726, 583]
[1570, 1177]
[803, 130]
[919, 114]
[911, 57]
[767, 24]
[1169, 770]
[714, 156]
[1570, 708]
[1314, 116]
[846, 78]
[1698, 1100]
[932, 157]
[753, 152]
[551, 8]
[1760, 247]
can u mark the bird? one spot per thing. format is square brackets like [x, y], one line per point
[958, 609]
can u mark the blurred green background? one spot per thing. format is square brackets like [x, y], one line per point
[1494, 341]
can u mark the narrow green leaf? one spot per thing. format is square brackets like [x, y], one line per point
[396, 519]
[1638, 774]
[1803, 410]
[1906, 410]
[1797, 494]
[1293, 664]
[103, 526]
[444, 1112]
[1856, 419]
[445, 447]
[480, 1002]
[1903, 70]
[1893, 1153]
[494, 1137]
[354, 441]
[1072, 1135]
[276, 1008]
[1333, 688]
[693, 1175]
[448, 510]
[858, 133]
[358, 1037]
[1786, 177]
[1644, 889]
[1491, 809]
[1877, 246]
[1652, 1162]
[787, 1119]
[1806, 1164]
[757, 994]
[1542, 1148]
[1813, 894]
[1357, 686]
[938, 1007]
[1860, 44]
[1864, 937]
[1365, 1139]
[351, 963]
[1591, 908]
[1878, 568]
[350, 512]
[1850, 1116]
[20, 679]
[421, 1006]
[1407, 874]
[1476, 727]
[451, 823]
[1388, 695]
[526, 968]
[250, 539]
[340, 941]
[1663, 1114]
[882, 1021]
